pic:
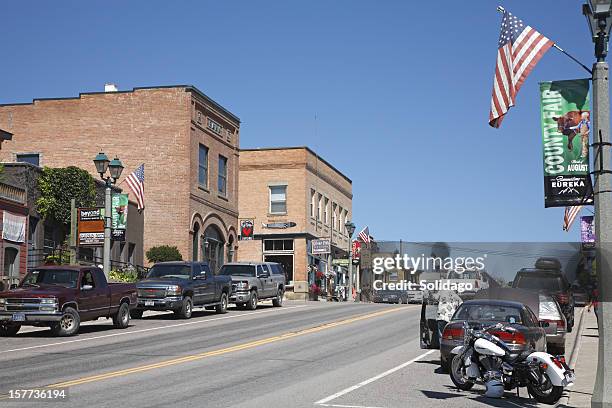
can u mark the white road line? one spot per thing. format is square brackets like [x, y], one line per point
[150, 329]
[346, 406]
[371, 380]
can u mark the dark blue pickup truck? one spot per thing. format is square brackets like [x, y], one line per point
[181, 286]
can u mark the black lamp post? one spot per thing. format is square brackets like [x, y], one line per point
[598, 16]
[114, 168]
[350, 229]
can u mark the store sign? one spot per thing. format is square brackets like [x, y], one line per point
[340, 262]
[119, 211]
[321, 246]
[279, 225]
[566, 126]
[90, 226]
[246, 229]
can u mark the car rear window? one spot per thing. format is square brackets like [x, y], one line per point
[237, 270]
[495, 313]
[539, 282]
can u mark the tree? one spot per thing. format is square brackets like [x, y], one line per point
[163, 253]
[58, 186]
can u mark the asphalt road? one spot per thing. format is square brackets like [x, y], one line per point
[305, 354]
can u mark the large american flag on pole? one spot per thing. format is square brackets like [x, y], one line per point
[136, 183]
[570, 215]
[520, 48]
[365, 235]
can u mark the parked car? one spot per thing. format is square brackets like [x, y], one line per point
[181, 286]
[390, 296]
[484, 312]
[550, 282]
[554, 323]
[254, 281]
[581, 294]
[61, 297]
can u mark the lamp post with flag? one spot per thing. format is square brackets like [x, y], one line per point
[599, 20]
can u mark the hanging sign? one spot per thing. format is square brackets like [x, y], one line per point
[119, 211]
[246, 229]
[566, 125]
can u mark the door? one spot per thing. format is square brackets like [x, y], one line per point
[269, 288]
[209, 289]
[94, 298]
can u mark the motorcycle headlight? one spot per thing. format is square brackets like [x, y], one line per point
[173, 290]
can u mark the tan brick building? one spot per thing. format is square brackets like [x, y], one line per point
[188, 142]
[293, 196]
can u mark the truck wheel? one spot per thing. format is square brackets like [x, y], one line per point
[252, 303]
[222, 306]
[121, 319]
[278, 300]
[68, 325]
[136, 314]
[9, 330]
[185, 311]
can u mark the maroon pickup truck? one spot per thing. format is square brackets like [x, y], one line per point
[61, 297]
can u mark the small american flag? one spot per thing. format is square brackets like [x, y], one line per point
[520, 48]
[570, 215]
[136, 183]
[365, 235]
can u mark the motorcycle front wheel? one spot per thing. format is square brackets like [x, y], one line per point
[457, 374]
[546, 393]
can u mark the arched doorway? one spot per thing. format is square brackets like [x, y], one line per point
[230, 249]
[213, 248]
[196, 242]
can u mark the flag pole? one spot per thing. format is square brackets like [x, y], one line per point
[503, 10]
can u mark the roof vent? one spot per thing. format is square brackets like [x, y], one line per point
[110, 88]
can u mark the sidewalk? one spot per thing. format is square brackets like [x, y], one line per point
[584, 363]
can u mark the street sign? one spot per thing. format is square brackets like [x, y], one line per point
[91, 226]
[340, 261]
[279, 225]
[321, 246]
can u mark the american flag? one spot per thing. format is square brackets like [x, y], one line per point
[136, 183]
[365, 235]
[519, 50]
[570, 215]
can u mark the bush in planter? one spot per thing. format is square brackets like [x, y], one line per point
[163, 253]
[128, 275]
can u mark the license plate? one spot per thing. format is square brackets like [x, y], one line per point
[18, 317]
[149, 303]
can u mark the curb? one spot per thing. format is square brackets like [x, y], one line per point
[564, 400]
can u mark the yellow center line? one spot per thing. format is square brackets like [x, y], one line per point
[213, 353]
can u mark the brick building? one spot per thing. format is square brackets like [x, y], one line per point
[293, 196]
[188, 142]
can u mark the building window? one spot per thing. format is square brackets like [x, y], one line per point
[345, 218]
[326, 211]
[32, 158]
[214, 126]
[199, 117]
[313, 196]
[203, 166]
[222, 180]
[334, 216]
[341, 220]
[319, 207]
[278, 199]
[278, 245]
[131, 250]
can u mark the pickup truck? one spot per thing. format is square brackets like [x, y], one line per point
[252, 281]
[181, 286]
[63, 296]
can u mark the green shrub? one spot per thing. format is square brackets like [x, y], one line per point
[163, 253]
[124, 275]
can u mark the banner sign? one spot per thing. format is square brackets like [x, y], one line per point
[587, 230]
[321, 246]
[90, 226]
[13, 227]
[246, 229]
[356, 250]
[566, 124]
[119, 211]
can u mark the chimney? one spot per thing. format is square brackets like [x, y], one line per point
[110, 87]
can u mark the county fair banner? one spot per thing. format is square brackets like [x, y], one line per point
[566, 124]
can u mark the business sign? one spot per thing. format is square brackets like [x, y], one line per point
[566, 125]
[321, 246]
[119, 211]
[340, 262]
[118, 235]
[246, 229]
[587, 231]
[90, 226]
[279, 225]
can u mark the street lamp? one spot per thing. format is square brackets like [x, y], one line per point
[350, 229]
[597, 13]
[114, 168]
[598, 16]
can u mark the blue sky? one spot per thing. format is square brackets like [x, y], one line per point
[400, 91]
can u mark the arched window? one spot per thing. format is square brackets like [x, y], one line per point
[213, 248]
[196, 242]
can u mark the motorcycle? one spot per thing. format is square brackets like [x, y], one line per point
[484, 357]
